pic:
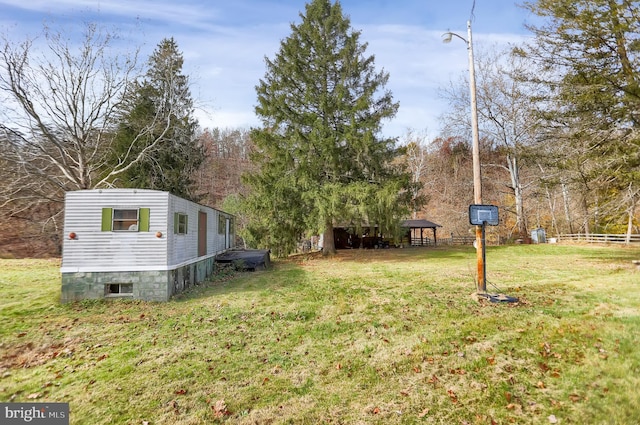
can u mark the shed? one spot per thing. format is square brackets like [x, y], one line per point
[138, 243]
[349, 237]
[416, 232]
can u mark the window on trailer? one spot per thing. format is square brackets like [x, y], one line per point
[222, 224]
[180, 223]
[125, 219]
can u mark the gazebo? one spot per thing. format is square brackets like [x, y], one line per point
[416, 234]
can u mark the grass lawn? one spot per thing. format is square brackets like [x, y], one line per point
[367, 337]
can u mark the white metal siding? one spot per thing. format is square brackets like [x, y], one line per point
[183, 248]
[95, 250]
[216, 240]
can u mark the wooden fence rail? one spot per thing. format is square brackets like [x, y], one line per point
[598, 238]
[454, 240]
[576, 237]
[457, 240]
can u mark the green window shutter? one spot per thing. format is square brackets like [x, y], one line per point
[107, 219]
[176, 223]
[186, 224]
[143, 225]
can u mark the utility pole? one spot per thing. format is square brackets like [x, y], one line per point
[477, 178]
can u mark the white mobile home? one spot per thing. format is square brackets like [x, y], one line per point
[138, 243]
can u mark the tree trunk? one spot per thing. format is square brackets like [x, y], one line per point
[585, 210]
[552, 210]
[514, 173]
[567, 208]
[328, 243]
[522, 224]
[632, 210]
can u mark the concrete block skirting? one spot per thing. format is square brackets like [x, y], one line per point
[157, 285]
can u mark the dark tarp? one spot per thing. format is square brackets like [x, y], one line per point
[247, 259]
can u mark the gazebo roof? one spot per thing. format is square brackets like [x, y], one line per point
[420, 224]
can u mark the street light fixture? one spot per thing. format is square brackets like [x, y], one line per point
[477, 182]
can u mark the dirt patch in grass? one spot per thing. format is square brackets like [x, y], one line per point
[31, 354]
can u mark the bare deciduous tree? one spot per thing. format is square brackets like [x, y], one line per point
[416, 143]
[505, 119]
[586, 54]
[60, 104]
[226, 159]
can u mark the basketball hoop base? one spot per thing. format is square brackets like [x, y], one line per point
[499, 298]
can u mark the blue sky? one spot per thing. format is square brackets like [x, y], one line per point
[224, 43]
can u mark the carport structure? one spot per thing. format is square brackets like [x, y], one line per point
[416, 232]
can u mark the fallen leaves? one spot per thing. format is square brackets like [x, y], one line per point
[603, 354]
[545, 368]
[32, 354]
[220, 409]
[174, 405]
[574, 397]
[545, 351]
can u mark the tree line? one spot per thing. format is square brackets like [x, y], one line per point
[558, 132]
[560, 147]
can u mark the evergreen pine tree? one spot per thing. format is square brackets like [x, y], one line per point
[587, 53]
[158, 119]
[320, 157]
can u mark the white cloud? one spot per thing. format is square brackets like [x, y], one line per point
[224, 44]
[228, 119]
[178, 12]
